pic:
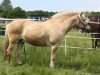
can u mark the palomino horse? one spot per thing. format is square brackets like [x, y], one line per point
[48, 33]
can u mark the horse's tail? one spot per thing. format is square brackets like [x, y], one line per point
[6, 44]
[24, 51]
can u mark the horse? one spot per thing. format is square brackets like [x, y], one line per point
[95, 30]
[45, 34]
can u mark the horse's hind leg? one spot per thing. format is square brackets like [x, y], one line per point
[96, 43]
[6, 47]
[18, 51]
[93, 41]
[8, 52]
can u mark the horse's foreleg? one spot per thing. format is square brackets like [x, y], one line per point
[8, 52]
[53, 55]
[18, 52]
[93, 41]
[96, 43]
[96, 40]
[93, 44]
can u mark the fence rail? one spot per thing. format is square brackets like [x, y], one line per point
[81, 37]
[67, 46]
[94, 22]
[4, 21]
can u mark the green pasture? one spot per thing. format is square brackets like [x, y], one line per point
[76, 61]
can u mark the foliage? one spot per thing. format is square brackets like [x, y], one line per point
[17, 13]
[5, 8]
[40, 13]
[6, 5]
[6, 14]
[95, 13]
[14, 13]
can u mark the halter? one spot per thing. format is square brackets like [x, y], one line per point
[80, 19]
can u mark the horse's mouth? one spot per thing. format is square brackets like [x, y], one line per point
[87, 30]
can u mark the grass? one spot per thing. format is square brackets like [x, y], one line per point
[2, 26]
[76, 61]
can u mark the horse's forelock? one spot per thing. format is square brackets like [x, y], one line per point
[85, 15]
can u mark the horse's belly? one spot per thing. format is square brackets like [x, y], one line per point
[38, 41]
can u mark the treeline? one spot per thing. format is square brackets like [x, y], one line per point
[7, 11]
[95, 13]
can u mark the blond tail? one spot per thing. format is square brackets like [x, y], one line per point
[6, 44]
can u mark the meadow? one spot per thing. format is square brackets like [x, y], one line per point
[76, 61]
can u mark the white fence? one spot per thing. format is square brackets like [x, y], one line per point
[67, 46]
[6, 21]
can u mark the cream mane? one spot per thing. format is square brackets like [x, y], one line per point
[65, 13]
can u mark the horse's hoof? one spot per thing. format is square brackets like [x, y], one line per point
[52, 66]
[19, 63]
[6, 62]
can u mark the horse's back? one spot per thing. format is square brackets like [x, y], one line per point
[17, 25]
[15, 29]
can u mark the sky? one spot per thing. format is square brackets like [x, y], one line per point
[57, 5]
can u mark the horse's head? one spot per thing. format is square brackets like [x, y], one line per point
[83, 21]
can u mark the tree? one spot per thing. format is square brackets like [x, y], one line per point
[18, 13]
[40, 13]
[95, 13]
[1, 8]
[1, 11]
[8, 14]
[6, 5]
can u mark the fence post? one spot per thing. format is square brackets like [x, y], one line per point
[65, 46]
[6, 22]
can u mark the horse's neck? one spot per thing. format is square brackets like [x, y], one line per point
[67, 24]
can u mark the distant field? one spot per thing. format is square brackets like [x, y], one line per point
[76, 61]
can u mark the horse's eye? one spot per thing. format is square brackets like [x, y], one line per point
[83, 20]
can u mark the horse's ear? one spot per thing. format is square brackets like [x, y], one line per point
[81, 13]
[87, 13]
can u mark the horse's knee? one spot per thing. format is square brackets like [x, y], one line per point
[8, 52]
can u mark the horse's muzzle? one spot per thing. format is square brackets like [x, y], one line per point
[87, 29]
